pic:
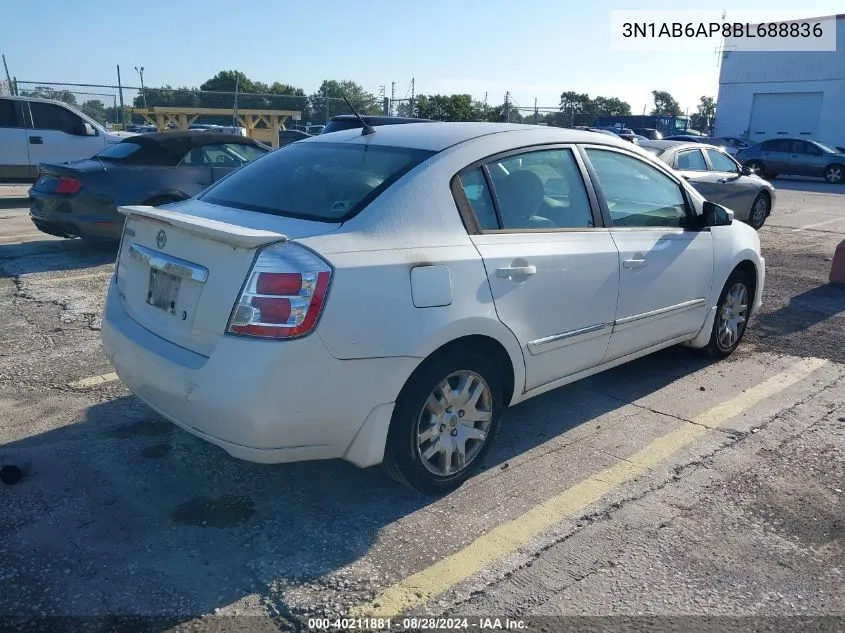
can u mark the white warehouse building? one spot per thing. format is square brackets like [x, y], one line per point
[765, 95]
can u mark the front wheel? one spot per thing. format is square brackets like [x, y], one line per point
[759, 211]
[834, 174]
[444, 421]
[732, 314]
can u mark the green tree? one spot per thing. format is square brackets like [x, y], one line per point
[457, 107]
[45, 92]
[664, 104]
[575, 102]
[96, 109]
[610, 106]
[332, 91]
[705, 115]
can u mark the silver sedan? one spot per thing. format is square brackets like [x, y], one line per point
[719, 178]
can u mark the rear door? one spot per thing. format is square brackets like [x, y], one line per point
[14, 154]
[666, 269]
[552, 268]
[195, 171]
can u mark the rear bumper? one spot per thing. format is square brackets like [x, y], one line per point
[77, 216]
[260, 401]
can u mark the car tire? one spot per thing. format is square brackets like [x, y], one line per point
[834, 174]
[733, 309]
[429, 422]
[759, 211]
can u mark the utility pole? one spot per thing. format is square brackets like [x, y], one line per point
[122, 118]
[392, 97]
[508, 107]
[536, 112]
[327, 100]
[140, 72]
[412, 97]
[8, 77]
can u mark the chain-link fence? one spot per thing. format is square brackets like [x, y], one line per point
[133, 108]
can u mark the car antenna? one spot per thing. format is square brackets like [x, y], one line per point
[368, 129]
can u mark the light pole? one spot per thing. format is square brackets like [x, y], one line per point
[140, 72]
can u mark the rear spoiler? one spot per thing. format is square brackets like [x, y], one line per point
[224, 232]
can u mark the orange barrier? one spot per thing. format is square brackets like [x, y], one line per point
[837, 268]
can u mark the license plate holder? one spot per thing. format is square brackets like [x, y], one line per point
[163, 290]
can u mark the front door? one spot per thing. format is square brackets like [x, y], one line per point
[58, 135]
[552, 269]
[775, 156]
[805, 159]
[666, 270]
[14, 154]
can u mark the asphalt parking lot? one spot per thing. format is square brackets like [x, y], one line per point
[673, 486]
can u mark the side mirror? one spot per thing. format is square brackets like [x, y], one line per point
[747, 171]
[90, 130]
[716, 215]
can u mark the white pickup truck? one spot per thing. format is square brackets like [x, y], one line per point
[35, 131]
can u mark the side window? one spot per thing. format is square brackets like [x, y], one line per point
[690, 160]
[47, 116]
[721, 162]
[8, 113]
[475, 187]
[637, 194]
[776, 146]
[541, 190]
[195, 157]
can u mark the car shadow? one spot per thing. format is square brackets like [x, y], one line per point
[54, 256]
[803, 311]
[809, 185]
[123, 499]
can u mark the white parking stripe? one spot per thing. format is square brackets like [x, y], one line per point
[812, 226]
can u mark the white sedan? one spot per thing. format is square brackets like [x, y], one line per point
[382, 295]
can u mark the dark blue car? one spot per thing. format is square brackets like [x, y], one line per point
[80, 199]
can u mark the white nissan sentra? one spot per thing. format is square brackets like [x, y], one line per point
[382, 295]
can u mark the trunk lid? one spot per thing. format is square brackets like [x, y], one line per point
[181, 267]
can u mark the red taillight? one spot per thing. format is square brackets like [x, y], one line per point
[68, 186]
[284, 293]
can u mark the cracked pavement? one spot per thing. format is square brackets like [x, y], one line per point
[121, 514]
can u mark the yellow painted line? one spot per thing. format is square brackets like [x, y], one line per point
[99, 275]
[93, 381]
[509, 537]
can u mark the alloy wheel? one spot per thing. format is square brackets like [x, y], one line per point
[454, 424]
[733, 316]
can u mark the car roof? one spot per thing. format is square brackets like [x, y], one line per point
[437, 136]
[190, 138]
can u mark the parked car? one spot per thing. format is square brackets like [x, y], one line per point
[351, 122]
[649, 132]
[34, 131]
[383, 297]
[719, 178]
[795, 157]
[621, 132]
[730, 144]
[291, 136]
[80, 199]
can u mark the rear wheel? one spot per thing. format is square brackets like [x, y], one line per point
[444, 421]
[732, 314]
[834, 174]
[759, 211]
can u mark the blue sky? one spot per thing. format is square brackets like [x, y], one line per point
[534, 49]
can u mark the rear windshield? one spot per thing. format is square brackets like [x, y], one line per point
[326, 182]
[119, 151]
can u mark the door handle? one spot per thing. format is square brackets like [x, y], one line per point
[634, 263]
[722, 181]
[36, 140]
[685, 177]
[516, 271]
